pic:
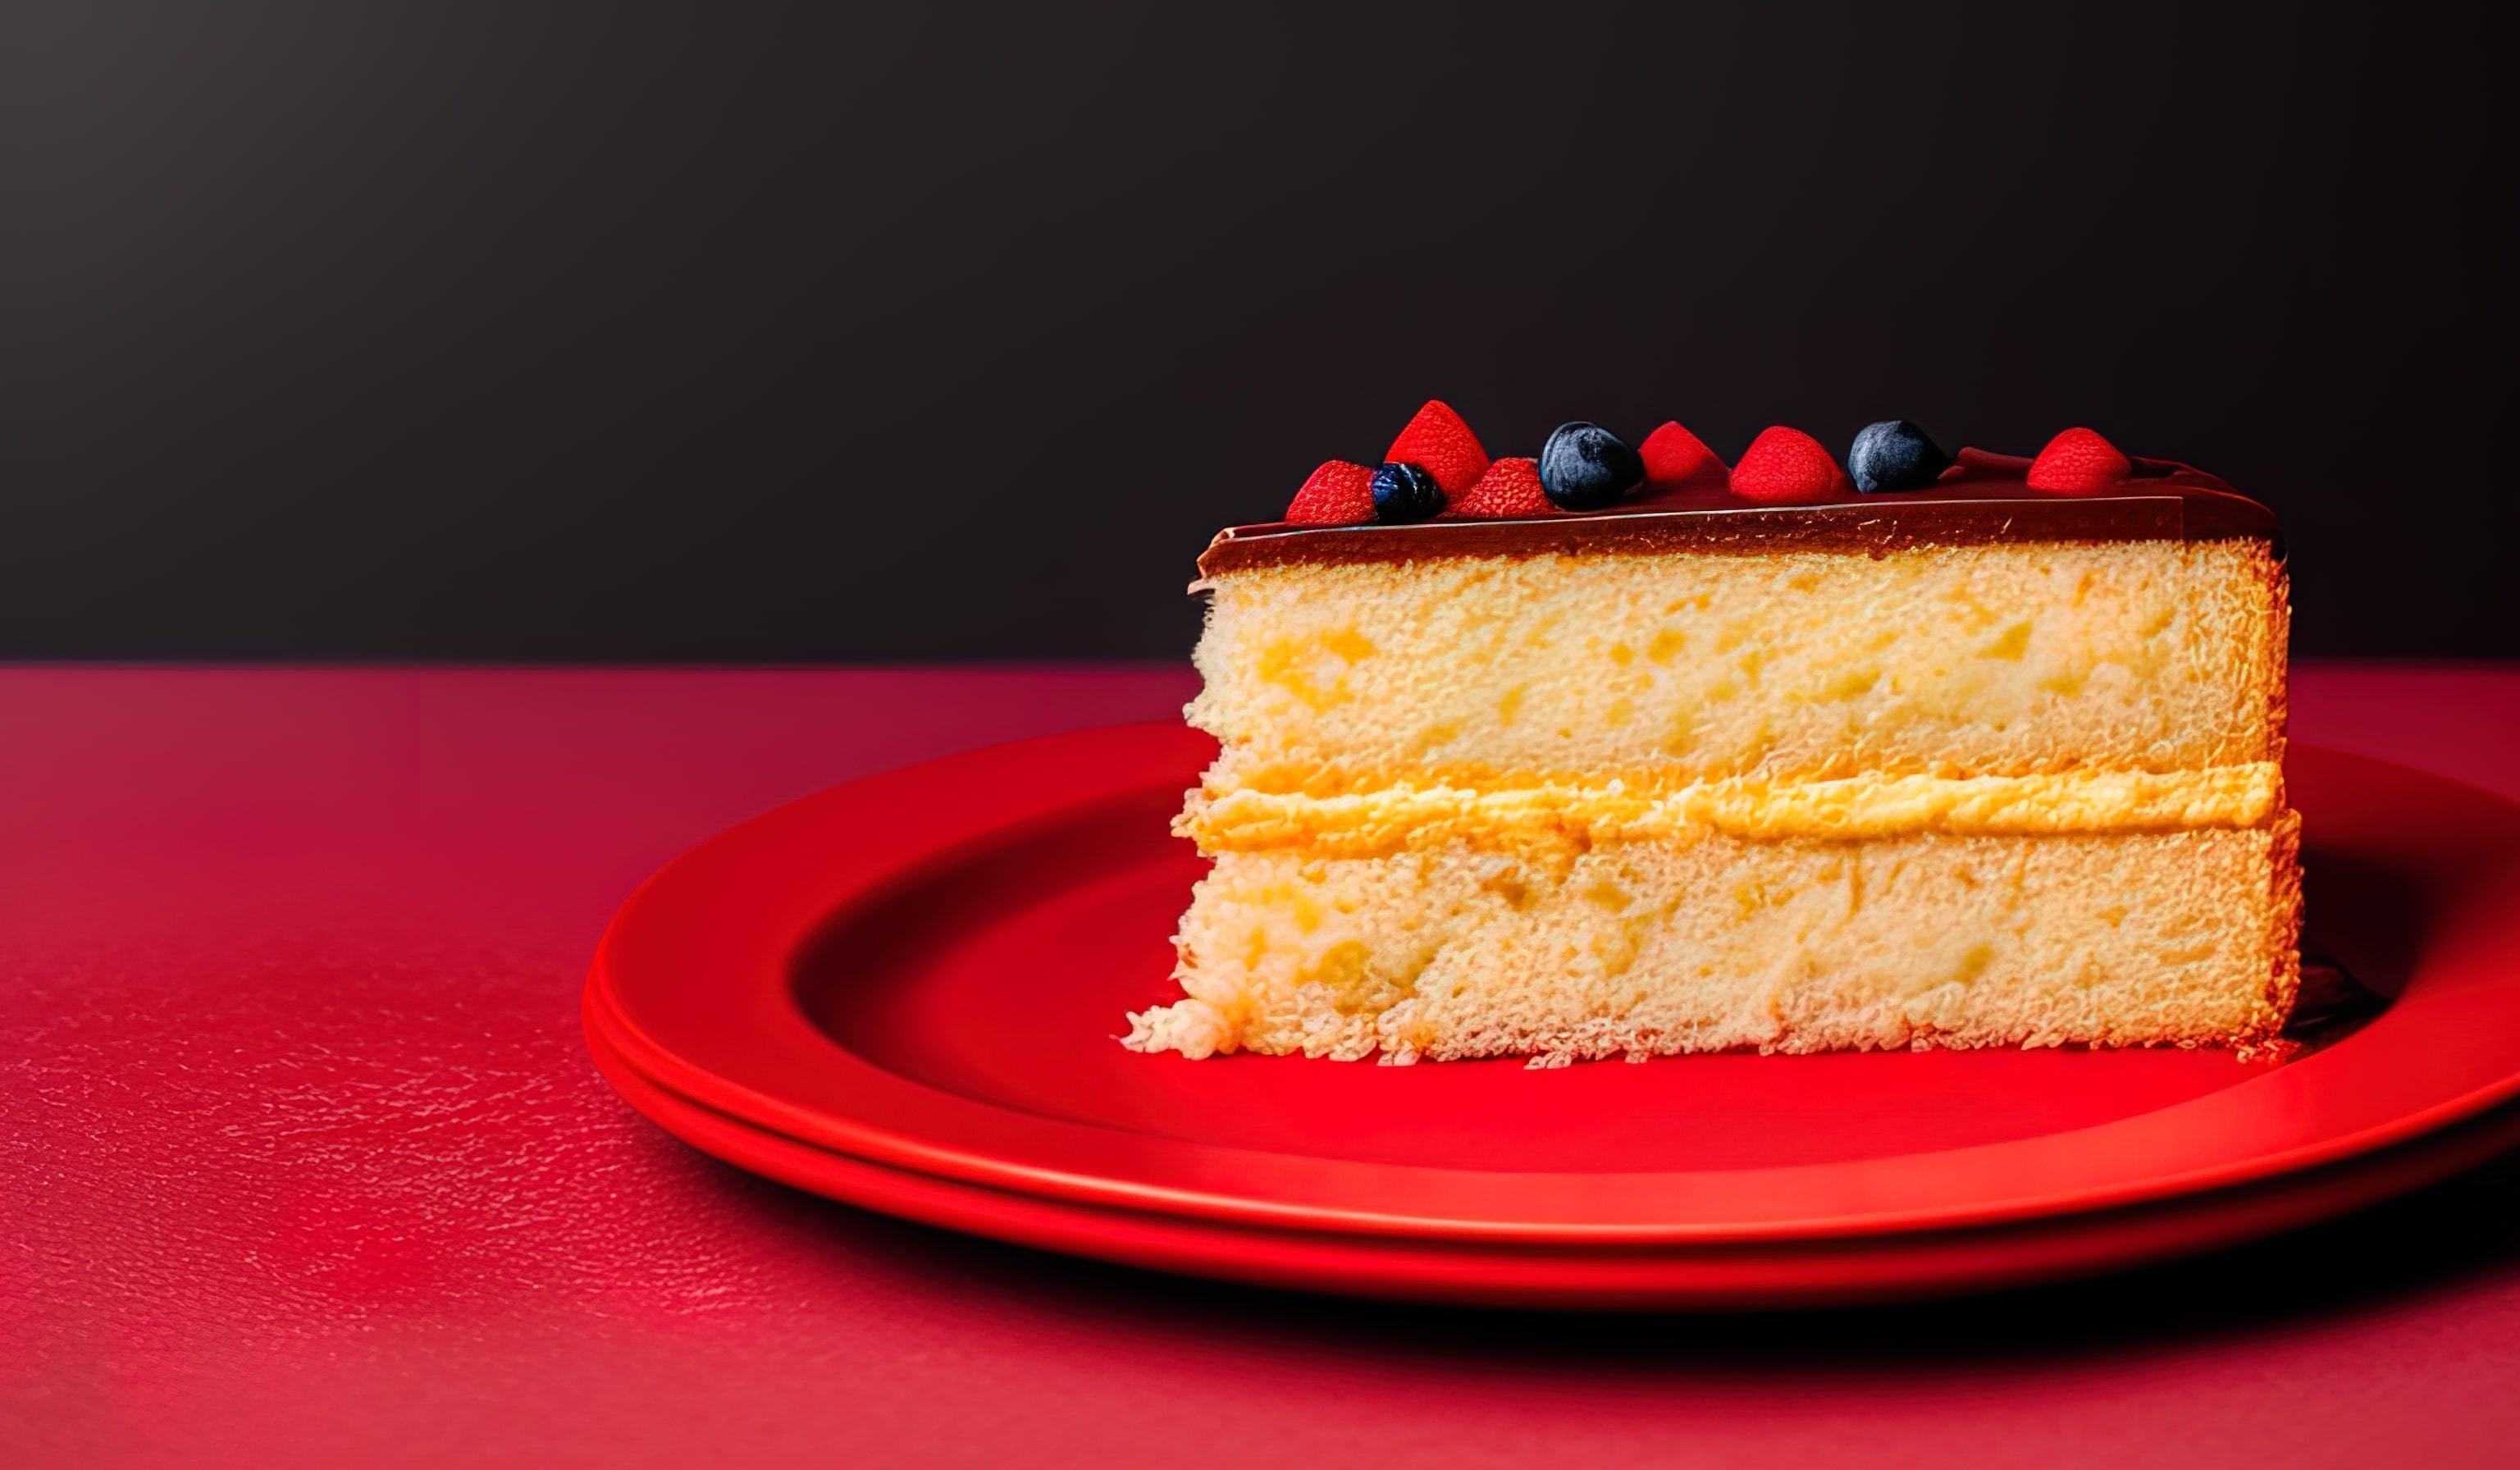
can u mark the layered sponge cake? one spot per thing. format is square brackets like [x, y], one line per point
[1991, 755]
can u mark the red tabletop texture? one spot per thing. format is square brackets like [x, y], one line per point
[305, 1163]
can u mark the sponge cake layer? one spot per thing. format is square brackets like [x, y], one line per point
[1642, 949]
[1660, 671]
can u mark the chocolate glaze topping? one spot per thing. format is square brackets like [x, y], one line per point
[1981, 499]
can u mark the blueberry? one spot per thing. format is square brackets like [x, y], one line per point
[1894, 454]
[1404, 493]
[1584, 467]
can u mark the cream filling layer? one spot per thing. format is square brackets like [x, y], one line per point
[1402, 817]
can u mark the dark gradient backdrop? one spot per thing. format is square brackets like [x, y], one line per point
[423, 329]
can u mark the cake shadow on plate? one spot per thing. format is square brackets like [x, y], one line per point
[2334, 1003]
[2360, 945]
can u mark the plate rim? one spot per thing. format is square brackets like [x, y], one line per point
[610, 1025]
[1723, 1275]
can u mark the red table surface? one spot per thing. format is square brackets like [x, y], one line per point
[305, 1163]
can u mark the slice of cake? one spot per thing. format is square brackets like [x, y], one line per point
[1935, 753]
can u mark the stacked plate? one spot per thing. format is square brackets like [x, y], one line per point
[905, 992]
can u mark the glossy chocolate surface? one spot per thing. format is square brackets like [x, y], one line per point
[1981, 499]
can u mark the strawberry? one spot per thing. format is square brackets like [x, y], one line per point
[1786, 466]
[2078, 462]
[1673, 456]
[1335, 495]
[1510, 487]
[1439, 440]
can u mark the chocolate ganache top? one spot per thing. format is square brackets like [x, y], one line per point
[1982, 498]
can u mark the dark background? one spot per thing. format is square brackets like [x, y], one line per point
[414, 329]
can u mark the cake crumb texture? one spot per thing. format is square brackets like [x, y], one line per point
[1662, 670]
[1648, 948]
[1577, 806]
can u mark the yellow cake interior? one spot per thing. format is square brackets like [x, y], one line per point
[1566, 806]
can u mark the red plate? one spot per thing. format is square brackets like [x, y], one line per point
[905, 992]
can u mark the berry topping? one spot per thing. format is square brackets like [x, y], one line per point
[1894, 454]
[1339, 494]
[1439, 441]
[1786, 465]
[1584, 467]
[2078, 460]
[1406, 492]
[1672, 454]
[1510, 487]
